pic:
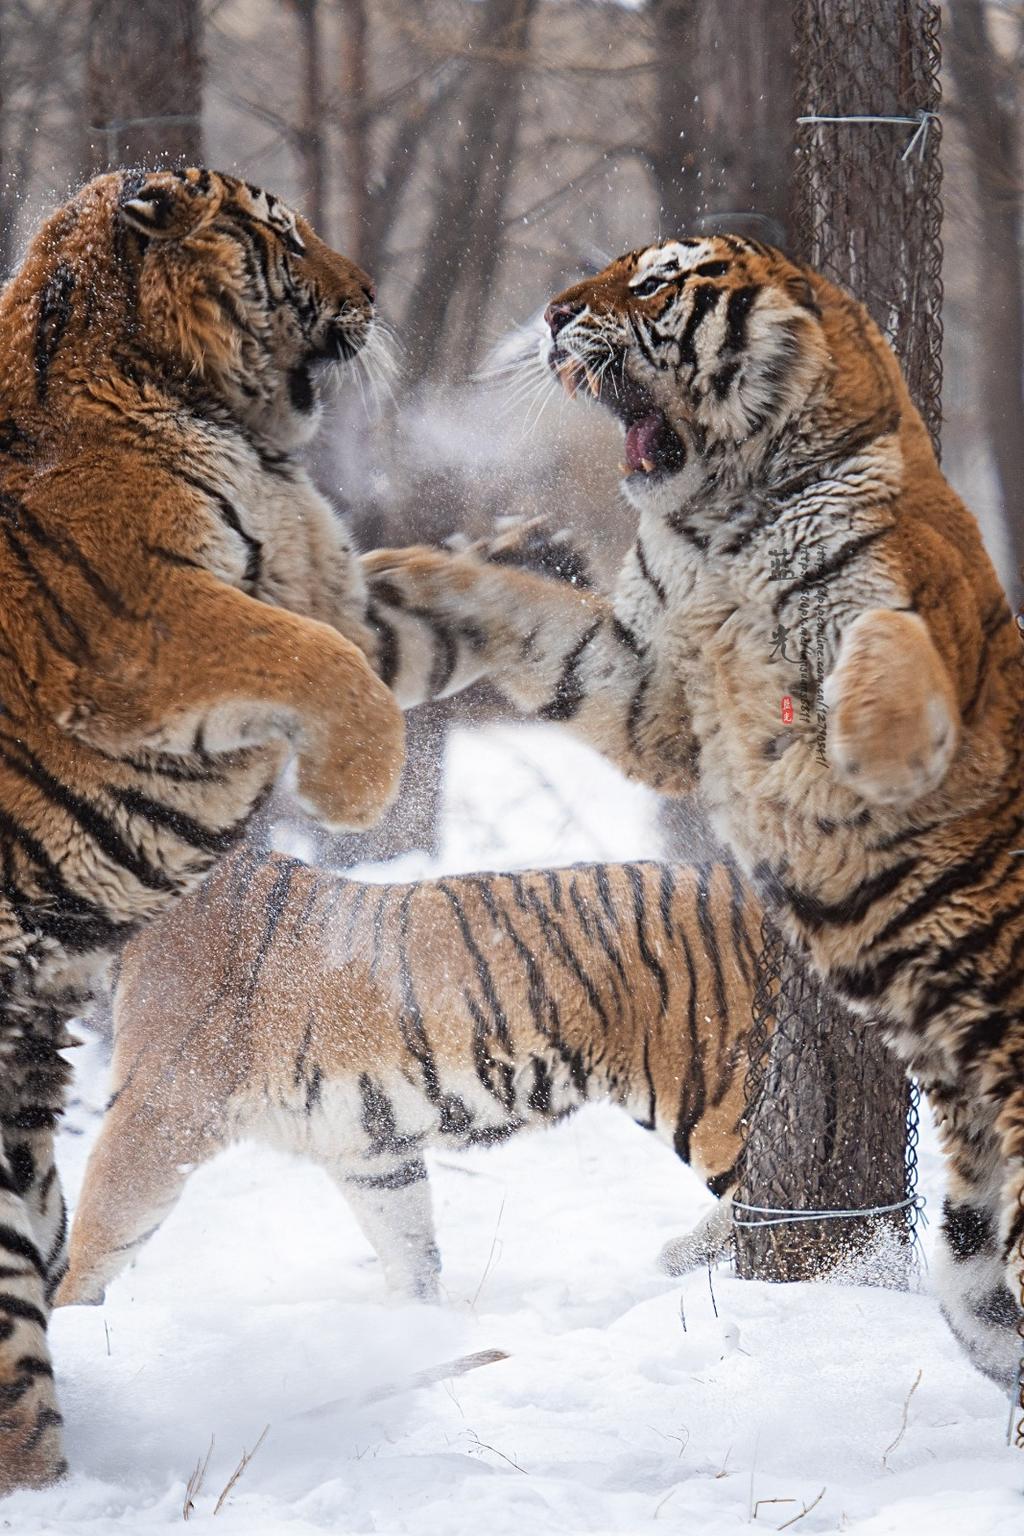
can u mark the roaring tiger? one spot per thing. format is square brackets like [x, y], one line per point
[170, 581]
[359, 1025]
[808, 631]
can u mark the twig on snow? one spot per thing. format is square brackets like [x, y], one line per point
[662, 1502]
[490, 1256]
[195, 1482]
[485, 1447]
[247, 1456]
[805, 1511]
[903, 1426]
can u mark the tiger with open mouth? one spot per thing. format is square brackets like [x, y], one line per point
[806, 630]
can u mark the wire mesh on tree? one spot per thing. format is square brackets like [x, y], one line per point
[832, 1126]
[868, 196]
[832, 1122]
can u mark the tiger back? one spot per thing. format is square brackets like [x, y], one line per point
[360, 1025]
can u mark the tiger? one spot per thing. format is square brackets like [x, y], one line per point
[361, 1025]
[181, 609]
[808, 634]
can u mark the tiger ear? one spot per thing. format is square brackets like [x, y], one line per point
[169, 205]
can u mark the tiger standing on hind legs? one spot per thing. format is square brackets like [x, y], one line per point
[181, 608]
[796, 539]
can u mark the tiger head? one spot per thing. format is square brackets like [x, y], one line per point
[706, 349]
[214, 281]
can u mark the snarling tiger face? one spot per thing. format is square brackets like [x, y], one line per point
[696, 345]
[213, 280]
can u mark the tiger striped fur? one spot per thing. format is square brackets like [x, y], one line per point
[808, 631]
[169, 576]
[359, 1025]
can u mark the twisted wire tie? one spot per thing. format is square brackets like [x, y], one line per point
[921, 121]
[778, 1217]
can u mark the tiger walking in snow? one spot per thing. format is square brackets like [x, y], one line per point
[359, 1025]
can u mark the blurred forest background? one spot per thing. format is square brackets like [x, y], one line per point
[475, 155]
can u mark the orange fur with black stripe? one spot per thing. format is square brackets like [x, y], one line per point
[360, 1025]
[173, 591]
[806, 630]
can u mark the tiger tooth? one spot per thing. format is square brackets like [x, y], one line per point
[648, 465]
[592, 383]
[567, 374]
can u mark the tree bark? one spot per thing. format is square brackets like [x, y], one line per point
[355, 149]
[829, 1103]
[827, 1132]
[988, 109]
[723, 127]
[144, 78]
[309, 137]
[678, 141]
[464, 237]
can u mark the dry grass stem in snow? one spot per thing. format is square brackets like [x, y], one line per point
[805, 1511]
[247, 1456]
[195, 1482]
[903, 1426]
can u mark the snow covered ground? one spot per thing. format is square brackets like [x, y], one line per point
[627, 1402]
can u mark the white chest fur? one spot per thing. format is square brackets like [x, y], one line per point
[750, 684]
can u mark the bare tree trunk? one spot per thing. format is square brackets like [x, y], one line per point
[827, 1132]
[467, 213]
[40, 58]
[144, 71]
[723, 130]
[355, 149]
[678, 140]
[829, 1104]
[988, 109]
[310, 134]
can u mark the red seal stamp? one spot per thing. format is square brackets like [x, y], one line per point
[787, 709]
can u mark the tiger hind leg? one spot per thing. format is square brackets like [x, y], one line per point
[32, 1243]
[973, 1282]
[31, 1102]
[395, 1212]
[31, 1156]
[133, 1180]
[31, 1453]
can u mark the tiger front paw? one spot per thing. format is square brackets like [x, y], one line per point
[893, 721]
[349, 768]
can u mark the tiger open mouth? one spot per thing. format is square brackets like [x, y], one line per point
[653, 446]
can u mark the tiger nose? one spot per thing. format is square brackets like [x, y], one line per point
[370, 291]
[559, 314]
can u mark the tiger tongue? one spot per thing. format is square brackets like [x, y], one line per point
[641, 438]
